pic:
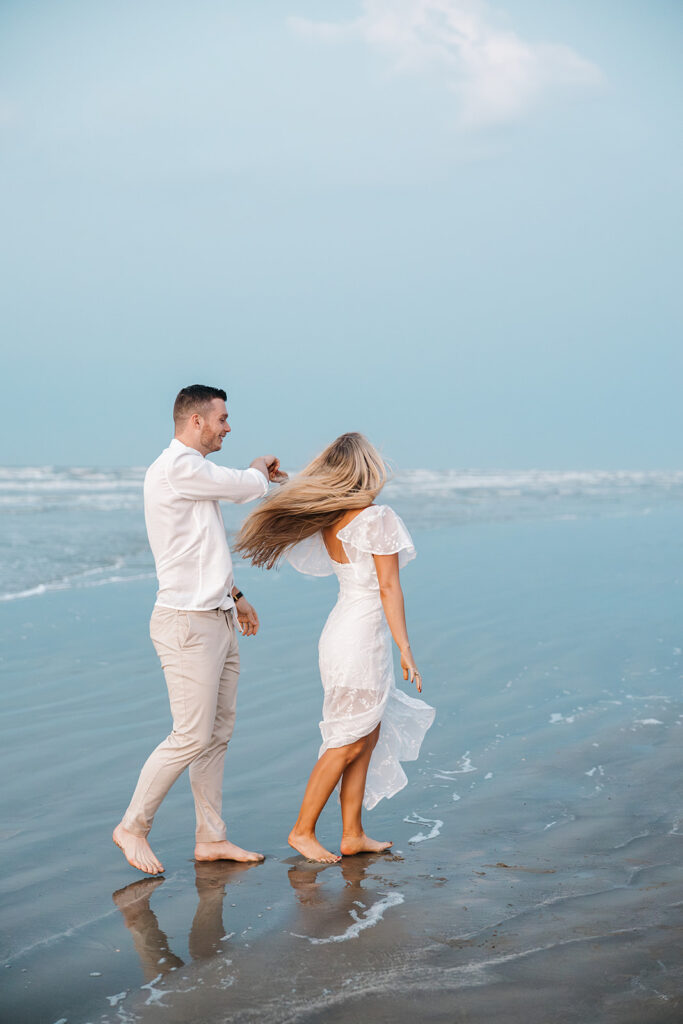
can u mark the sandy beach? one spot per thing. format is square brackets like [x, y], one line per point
[535, 874]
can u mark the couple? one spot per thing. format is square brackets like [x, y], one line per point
[323, 522]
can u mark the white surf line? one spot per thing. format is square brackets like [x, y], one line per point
[525, 913]
[416, 819]
[447, 776]
[49, 588]
[650, 696]
[66, 934]
[465, 764]
[116, 999]
[627, 842]
[156, 995]
[371, 917]
[507, 958]
[566, 819]
[415, 980]
[561, 944]
[65, 582]
[464, 767]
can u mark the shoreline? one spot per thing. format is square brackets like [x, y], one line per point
[537, 845]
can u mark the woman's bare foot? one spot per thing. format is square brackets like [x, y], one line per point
[309, 847]
[225, 850]
[137, 851]
[362, 844]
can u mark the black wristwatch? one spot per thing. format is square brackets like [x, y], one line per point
[237, 596]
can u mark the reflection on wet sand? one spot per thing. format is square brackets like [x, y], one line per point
[329, 916]
[207, 927]
[207, 931]
[151, 943]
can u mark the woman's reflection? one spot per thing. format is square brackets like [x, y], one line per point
[325, 912]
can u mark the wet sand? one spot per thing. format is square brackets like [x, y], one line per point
[536, 870]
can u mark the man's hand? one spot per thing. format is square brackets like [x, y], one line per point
[247, 617]
[269, 465]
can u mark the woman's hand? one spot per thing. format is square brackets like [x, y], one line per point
[269, 465]
[277, 475]
[410, 668]
[247, 617]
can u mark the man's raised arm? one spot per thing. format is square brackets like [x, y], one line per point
[192, 476]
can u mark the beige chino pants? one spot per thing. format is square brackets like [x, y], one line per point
[200, 657]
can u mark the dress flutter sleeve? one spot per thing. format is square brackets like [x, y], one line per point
[377, 530]
[310, 556]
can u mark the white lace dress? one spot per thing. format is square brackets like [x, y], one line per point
[356, 663]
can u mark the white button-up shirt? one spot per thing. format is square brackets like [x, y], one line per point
[185, 526]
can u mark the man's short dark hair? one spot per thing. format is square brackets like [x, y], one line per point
[194, 399]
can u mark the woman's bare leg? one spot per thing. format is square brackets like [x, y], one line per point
[354, 839]
[322, 780]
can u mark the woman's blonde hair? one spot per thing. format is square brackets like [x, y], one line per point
[350, 473]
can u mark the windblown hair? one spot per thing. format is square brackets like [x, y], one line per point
[350, 473]
[193, 399]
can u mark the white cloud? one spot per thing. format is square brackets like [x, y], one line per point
[494, 73]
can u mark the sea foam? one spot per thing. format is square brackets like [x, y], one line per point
[61, 523]
[371, 917]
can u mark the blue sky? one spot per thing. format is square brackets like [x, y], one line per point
[452, 225]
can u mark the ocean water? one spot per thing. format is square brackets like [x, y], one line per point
[72, 527]
[536, 870]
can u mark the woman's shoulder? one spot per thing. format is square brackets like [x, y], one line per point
[355, 519]
[377, 529]
[369, 512]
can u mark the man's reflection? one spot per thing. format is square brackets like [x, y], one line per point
[207, 927]
[150, 942]
[207, 930]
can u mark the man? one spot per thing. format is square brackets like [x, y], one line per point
[194, 621]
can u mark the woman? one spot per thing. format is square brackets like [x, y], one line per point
[324, 521]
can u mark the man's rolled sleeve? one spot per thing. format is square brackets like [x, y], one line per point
[194, 477]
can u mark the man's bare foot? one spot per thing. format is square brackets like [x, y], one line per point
[309, 847]
[225, 850]
[362, 844]
[137, 851]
